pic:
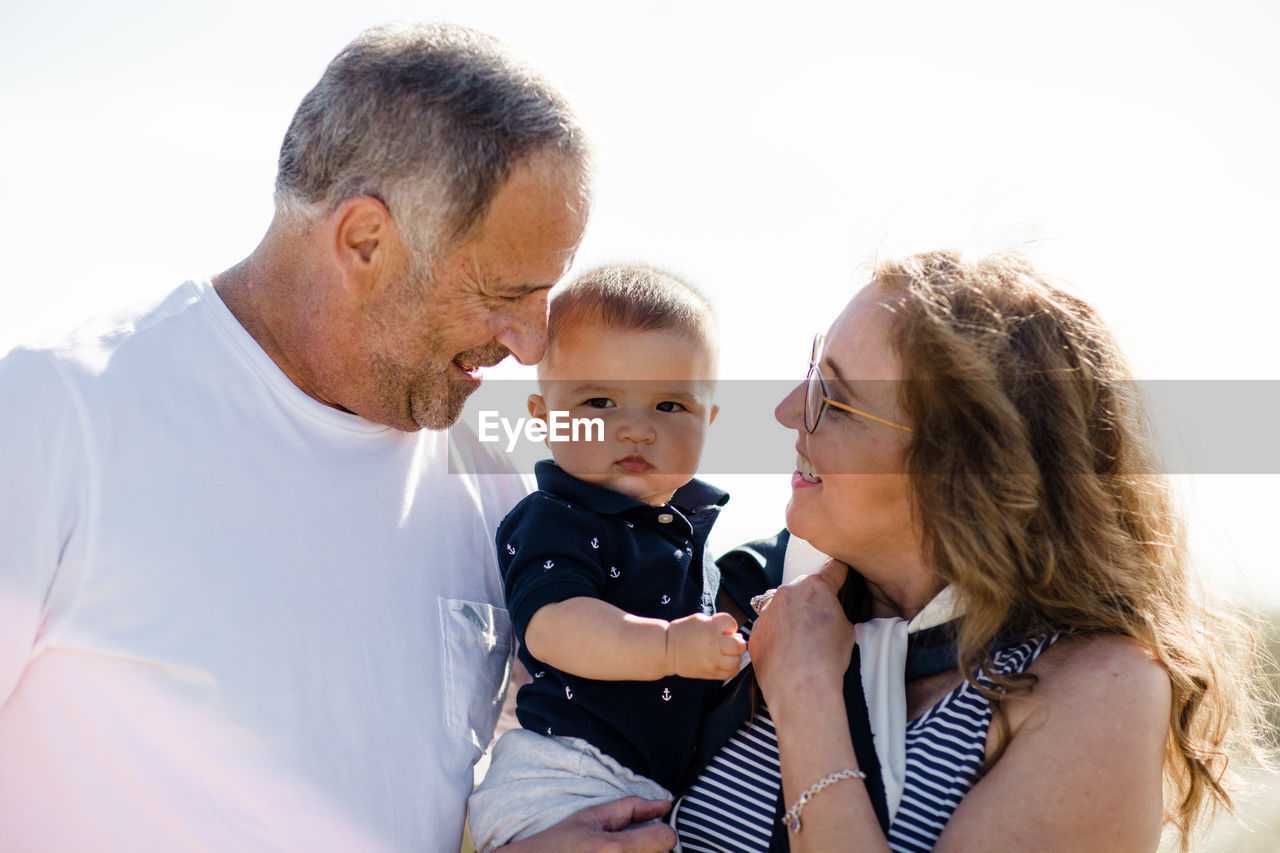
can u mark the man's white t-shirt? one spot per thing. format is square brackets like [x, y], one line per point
[233, 618]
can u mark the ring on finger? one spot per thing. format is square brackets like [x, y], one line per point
[761, 601]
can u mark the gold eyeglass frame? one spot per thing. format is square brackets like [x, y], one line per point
[815, 372]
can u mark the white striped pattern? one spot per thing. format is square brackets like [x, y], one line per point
[730, 809]
[945, 749]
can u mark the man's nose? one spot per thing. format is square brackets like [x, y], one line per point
[524, 328]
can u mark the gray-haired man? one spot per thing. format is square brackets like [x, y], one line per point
[244, 604]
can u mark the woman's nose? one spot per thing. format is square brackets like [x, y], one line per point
[790, 412]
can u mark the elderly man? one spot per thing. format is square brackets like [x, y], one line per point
[247, 594]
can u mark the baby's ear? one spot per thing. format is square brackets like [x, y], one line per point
[715, 410]
[538, 407]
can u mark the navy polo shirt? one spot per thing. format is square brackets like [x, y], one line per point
[572, 538]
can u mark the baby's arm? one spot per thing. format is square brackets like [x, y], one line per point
[590, 638]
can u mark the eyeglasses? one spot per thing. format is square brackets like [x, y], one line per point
[817, 398]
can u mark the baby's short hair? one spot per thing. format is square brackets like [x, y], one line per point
[633, 297]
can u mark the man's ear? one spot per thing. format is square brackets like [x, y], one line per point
[362, 241]
[715, 410]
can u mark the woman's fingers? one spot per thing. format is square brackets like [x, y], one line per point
[803, 636]
[834, 573]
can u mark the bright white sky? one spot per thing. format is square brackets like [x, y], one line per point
[764, 151]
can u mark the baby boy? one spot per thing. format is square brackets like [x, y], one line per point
[609, 589]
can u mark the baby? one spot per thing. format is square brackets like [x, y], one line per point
[609, 589]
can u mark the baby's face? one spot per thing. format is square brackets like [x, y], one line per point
[652, 390]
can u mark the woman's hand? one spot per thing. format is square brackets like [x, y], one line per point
[801, 646]
[622, 826]
[802, 640]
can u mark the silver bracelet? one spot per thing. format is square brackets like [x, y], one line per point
[792, 817]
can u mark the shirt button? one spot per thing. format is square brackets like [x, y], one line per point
[666, 518]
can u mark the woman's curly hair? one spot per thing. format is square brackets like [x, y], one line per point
[1041, 499]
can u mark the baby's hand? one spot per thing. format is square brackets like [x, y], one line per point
[702, 646]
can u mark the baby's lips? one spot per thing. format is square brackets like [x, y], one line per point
[636, 464]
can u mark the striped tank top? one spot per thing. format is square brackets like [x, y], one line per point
[731, 807]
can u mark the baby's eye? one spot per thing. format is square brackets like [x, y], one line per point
[599, 403]
[670, 406]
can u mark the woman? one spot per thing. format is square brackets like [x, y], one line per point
[969, 452]
[971, 456]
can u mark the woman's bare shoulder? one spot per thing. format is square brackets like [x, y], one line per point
[1085, 678]
[1084, 757]
[1095, 664]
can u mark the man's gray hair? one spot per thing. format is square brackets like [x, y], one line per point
[430, 119]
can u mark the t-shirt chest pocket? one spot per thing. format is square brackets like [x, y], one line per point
[476, 651]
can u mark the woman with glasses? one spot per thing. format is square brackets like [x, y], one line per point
[1005, 651]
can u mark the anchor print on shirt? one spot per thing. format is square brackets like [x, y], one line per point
[510, 549]
[595, 542]
[679, 553]
[628, 524]
[568, 692]
[539, 674]
[666, 599]
[614, 573]
[666, 694]
[548, 565]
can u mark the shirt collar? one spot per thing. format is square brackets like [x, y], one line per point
[691, 497]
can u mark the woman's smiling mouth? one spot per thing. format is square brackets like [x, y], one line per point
[805, 469]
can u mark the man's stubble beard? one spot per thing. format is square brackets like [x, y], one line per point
[441, 409]
[430, 398]
[437, 404]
